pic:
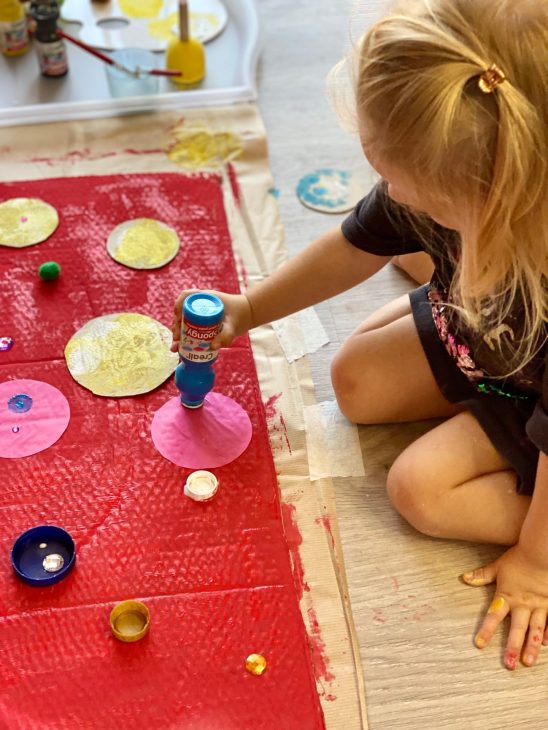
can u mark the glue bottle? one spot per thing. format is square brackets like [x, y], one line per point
[201, 322]
[14, 39]
[52, 53]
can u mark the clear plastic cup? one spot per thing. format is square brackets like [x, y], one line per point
[122, 84]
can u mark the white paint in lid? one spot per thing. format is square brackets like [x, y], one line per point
[201, 485]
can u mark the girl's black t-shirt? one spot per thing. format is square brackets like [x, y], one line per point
[380, 226]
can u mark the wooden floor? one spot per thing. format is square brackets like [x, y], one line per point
[415, 620]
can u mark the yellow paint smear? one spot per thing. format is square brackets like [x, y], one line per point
[141, 8]
[163, 29]
[202, 25]
[196, 148]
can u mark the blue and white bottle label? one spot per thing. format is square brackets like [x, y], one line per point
[196, 342]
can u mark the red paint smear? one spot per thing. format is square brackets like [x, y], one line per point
[73, 156]
[152, 151]
[243, 272]
[236, 192]
[317, 645]
[217, 577]
[511, 660]
[271, 413]
[87, 154]
[285, 433]
[379, 617]
[325, 520]
[294, 540]
[270, 406]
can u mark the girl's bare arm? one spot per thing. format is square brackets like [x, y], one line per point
[328, 266]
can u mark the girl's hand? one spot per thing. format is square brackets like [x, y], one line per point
[237, 318]
[522, 591]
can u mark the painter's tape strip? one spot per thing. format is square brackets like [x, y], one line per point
[332, 443]
[300, 334]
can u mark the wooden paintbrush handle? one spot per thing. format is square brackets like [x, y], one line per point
[184, 32]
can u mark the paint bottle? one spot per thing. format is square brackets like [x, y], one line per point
[52, 53]
[201, 321]
[14, 39]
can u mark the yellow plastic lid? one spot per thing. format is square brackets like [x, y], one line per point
[129, 620]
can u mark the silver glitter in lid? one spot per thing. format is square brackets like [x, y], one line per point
[53, 562]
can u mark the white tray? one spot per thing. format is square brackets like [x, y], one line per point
[231, 60]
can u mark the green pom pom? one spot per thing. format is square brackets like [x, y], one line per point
[49, 271]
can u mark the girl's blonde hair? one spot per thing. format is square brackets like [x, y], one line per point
[419, 106]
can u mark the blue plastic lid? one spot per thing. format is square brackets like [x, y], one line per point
[43, 555]
[203, 308]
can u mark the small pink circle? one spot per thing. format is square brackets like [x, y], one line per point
[23, 219]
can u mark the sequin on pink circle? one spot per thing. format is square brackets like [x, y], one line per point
[20, 403]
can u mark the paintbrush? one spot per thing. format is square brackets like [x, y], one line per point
[136, 73]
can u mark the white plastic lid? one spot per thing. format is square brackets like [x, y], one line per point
[201, 485]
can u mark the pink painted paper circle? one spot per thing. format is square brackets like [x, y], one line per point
[201, 438]
[40, 427]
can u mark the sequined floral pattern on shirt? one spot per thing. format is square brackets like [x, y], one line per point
[458, 351]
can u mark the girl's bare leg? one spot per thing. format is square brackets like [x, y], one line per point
[453, 483]
[381, 374]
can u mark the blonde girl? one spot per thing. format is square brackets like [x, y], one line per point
[452, 112]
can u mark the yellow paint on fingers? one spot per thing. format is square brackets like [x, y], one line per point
[496, 605]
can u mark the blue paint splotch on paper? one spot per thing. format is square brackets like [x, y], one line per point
[325, 188]
[20, 403]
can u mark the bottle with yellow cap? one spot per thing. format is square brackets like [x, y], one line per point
[14, 39]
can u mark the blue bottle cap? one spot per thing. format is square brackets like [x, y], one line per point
[203, 308]
[43, 555]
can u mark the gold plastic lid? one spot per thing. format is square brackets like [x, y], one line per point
[129, 620]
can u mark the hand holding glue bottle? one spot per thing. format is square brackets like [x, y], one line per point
[201, 322]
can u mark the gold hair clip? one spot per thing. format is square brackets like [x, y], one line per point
[491, 78]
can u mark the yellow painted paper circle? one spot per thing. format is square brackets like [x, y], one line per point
[121, 354]
[26, 221]
[143, 243]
